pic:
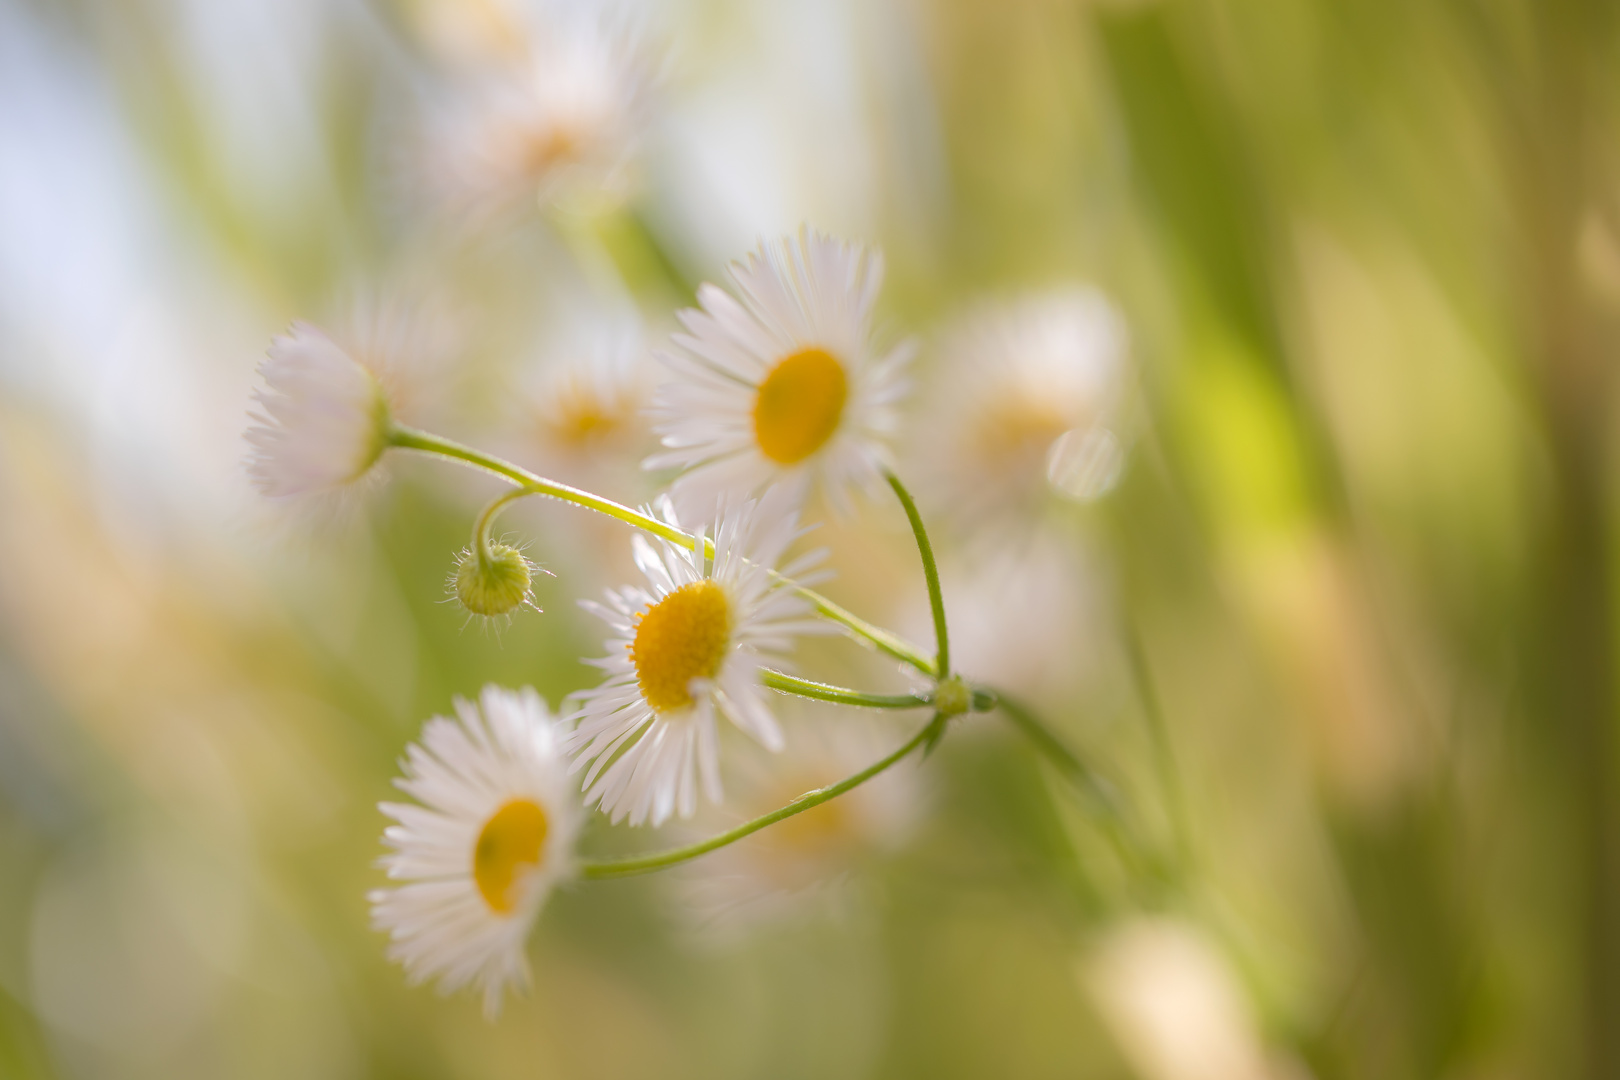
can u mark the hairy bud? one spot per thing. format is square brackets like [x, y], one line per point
[496, 583]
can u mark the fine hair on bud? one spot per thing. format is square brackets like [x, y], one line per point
[495, 582]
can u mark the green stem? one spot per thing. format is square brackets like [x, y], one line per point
[894, 645]
[480, 536]
[792, 684]
[942, 665]
[1164, 761]
[645, 864]
[411, 439]
[1098, 793]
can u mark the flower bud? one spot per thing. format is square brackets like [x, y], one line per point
[494, 583]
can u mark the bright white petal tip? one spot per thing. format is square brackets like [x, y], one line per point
[491, 834]
[781, 384]
[323, 420]
[684, 650]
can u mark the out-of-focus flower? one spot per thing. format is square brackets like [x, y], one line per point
[1026, 402]
[783, 386]
[324, 420]
[559, 122]
[1173, 1005]
[1009, 603]
[799, 867]
[494, 836]
[690, 648]
[584, 410]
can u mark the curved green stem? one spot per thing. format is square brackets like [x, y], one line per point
[645, 864]
[936, 601]
[412, 439]
[792, 684]
[529, 483]
[480, 535]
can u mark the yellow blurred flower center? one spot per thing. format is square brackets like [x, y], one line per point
[550, 147]
[579, 417]
[581, 424]
[1018, 428]
[806, 847]
[816, 831]
[799, 406]
[508, 845]
[682, 637]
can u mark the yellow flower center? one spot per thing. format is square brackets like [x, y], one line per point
[799, 405]
[682, 637]
[508, 845]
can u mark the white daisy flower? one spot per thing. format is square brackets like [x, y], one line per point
[324, 419]
[784, 385]
[1028, 403]
[683, 652]
[494, 835]
[564, 119]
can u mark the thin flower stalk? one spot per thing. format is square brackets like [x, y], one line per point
[1100, 796]
[936, 599]
[646, 864]
[792, 684]
[1164, 761]
[411, 439]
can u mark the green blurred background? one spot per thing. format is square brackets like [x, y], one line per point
[1348, 638]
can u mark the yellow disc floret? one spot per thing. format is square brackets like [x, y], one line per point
[799, 406]
[509, 844]
[682, 637]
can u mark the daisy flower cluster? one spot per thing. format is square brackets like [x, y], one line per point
[779, 393]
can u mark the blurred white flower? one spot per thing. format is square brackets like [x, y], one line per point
[784, 386]
[324, 419]
[799, 868]
[1173, 1004]
[1026, 401]
[583, 409]
[690, 648]
[1009, 603]
[560, 120]
[494, 836]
